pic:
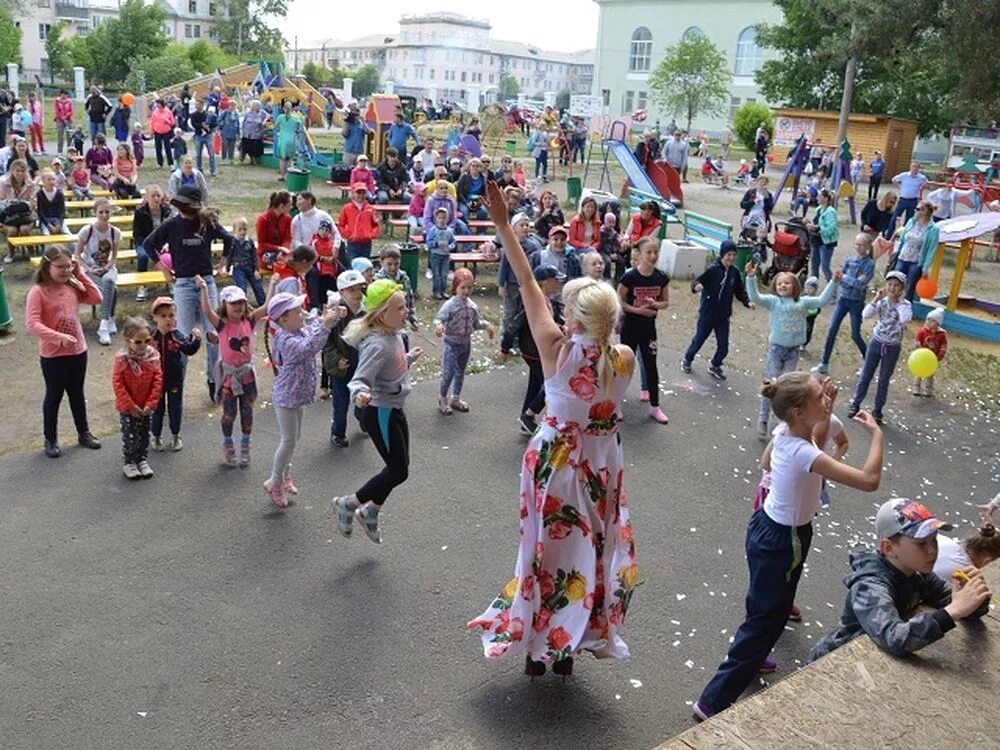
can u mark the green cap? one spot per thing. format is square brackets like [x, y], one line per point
[379, 291]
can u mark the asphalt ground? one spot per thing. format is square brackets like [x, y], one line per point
[186, 612]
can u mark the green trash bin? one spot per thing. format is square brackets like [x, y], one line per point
[336, 157]
[410, 262]
[5, 320]
[743, 253]
[574, 189]
[511, 146]
[297, 180]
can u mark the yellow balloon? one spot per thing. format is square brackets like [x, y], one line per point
[922, 363]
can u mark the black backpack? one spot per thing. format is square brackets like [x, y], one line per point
[340, 174]
[16, 214]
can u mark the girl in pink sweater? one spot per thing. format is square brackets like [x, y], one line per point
[53, 315]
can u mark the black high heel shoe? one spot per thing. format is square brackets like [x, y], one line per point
[563, 667]
[533, 668]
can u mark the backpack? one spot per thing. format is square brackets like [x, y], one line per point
[16, 214]
[340, 174]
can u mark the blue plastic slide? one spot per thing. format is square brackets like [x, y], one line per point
[633, 169]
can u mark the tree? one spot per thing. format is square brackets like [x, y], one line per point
[692, 79]
[562, 99]
[10, 36]
[366, 81]
[508, 87]
[137, 33]
[206, 58]
[243, 28]
[79, 53]
[928, 69]
[748, 118]
[58, 51]
[158, 72]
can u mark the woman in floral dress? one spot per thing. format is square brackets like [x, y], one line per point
[576, 567]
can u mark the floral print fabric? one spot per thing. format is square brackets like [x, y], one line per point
[576, 567]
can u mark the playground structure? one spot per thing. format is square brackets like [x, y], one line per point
[656, 178]
[960, 311]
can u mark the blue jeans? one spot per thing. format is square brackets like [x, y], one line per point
[775, 555]
[108, 284]
[884, 357]
[187, 297]
[141, 258]
[358, 250]
[95, 128]
[913, 272]
[200, 142]
[821, 256]
[905, 207]
[542, 164]
[843, 308]
[243, 277]
[382, 197]
[480, 213]
[455, 358]
[780, 359]
[707, 325]
[439, 272]
[341, 399]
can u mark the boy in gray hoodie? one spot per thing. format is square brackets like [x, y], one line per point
[886, 586]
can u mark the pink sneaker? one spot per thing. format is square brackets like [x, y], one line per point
[657, 413]
[644, 396]
[795, 615]
[768, 667]
[276, 493]
[288, 486]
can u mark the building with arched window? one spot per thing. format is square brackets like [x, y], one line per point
[633, 34]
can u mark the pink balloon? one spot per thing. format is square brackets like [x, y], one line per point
[167, 261]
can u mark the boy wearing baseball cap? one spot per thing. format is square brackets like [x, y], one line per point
[339, 358]
[887, 585]
[174, 350]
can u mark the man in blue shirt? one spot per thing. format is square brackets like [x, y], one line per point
[909, 184]
[876, 170]
[400, 132]
[354, 135]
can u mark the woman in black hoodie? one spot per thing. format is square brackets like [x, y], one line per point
[147, 217]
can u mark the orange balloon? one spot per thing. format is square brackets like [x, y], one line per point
[926, 288]
[128, 98]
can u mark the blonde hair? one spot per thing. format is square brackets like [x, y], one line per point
[371, 321]
[240, 221]
[796, 285]
[595, 307]
[787, 392]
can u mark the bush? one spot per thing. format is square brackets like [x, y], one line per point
[160, 72]
[747, 119]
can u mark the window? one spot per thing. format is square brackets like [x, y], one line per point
[197, 31]
[187, 31]
[492, 78]
[641, 100]
[640, 51]
[211, 9]
[43, 30]
[463, 76]
[693, 32]
[628, 105]
[734, 104]
[431, 71]
[166, 29]
[748, 55]
[192, 6]
[606, 97]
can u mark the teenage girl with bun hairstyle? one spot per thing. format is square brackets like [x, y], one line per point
[779, 533]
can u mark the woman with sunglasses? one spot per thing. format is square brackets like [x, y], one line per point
[53, 315]
[97, 247]
[916, 247]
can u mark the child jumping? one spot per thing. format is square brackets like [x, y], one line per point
[235, 378]
[293, 353]
[174, 349]
[643, 293]
[893, 311]
[788, 311]
[855, 276]
[456, 321]
[137, 381]
[379, 387]
[779, 533]
[931, 336]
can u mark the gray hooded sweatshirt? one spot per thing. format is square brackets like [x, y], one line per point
[882, 600]
[383, 370]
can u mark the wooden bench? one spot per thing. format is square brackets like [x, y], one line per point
[40, 240]
[468, 239]
[75, 223]
[84, 206]
[343, 187]
[705, 231]
[473, 259]
[481, 224]
[131, 255]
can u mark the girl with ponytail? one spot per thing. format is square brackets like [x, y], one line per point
[576, 568]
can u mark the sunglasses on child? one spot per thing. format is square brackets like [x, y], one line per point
[144, 340]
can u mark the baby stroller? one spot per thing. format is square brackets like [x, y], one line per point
[753, 237]
[791, 250]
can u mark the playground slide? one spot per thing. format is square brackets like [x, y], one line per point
[660, 182]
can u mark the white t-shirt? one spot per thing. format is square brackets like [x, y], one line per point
[795, 491]
[951, 557]
[97, 248]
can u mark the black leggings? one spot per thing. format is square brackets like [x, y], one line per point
[64, 375]
[162, 142]
[390, 434]
[644, 342]
[534, 396]
[171, 403]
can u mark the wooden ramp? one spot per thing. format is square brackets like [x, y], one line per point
[237, 75]
[943, 697]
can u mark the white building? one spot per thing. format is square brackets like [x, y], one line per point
[448, 56]
[633, 35]
[41, 17]
[188, 21]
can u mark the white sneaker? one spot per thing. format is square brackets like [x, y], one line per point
[820, 369]
[176, 444]
[145, 470]
[104, 339]
[451, 275]
[112, 327]
[131, 471]
[140, 294]
[156, 444]
[428, 274]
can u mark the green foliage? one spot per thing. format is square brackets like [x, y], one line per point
[562, 99]
[10, 37]
[747, 119]
[137, 34]
[693, 78]
[57, 51]
[206, 57]
[79, 53]
[508, 87]
[933, 66]
[366, 81]
[244, 28]
[159, 72]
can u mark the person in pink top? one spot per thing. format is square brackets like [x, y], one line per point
[125, 171]
[53, 315]
[64, 118]
[363, 173]
[161, 125]
[37, 112]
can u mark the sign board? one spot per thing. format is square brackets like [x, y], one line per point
[585, 105]
[788, 129]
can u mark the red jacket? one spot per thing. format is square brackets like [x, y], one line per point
[64, 110]
[640, 230]
[137, 382]
[273, 233]
[576, 230]
[358, 224]
[936, 341]
[326, 255]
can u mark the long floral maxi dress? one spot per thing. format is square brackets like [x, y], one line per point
[576, 565]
